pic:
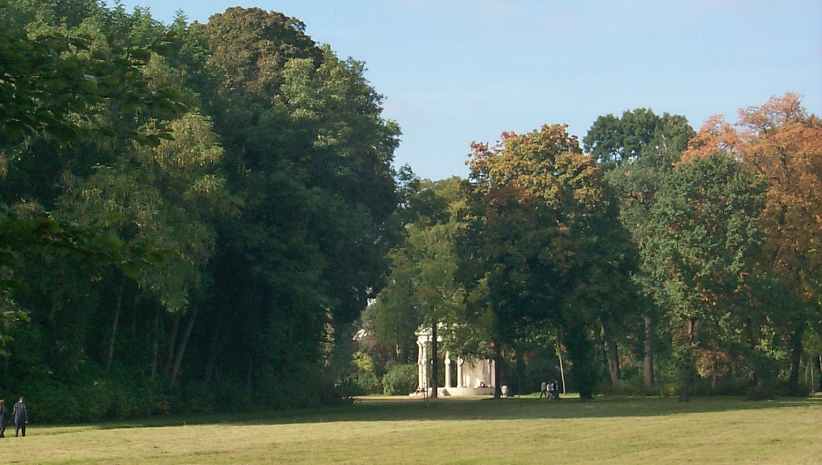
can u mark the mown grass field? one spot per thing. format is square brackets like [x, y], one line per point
[399, 431]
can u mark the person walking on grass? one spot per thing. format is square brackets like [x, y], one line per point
[2, 418]
[21, 417]
[543, 389]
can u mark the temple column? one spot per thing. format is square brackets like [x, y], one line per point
[493, 373]
[420, 364]
[447, 370]
[424, 365]
[459, 372]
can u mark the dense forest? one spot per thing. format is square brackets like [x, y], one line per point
[192, 214]
[199, 217]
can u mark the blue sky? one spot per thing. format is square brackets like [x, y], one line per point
[456, 71]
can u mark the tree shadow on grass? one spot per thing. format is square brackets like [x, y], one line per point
[476, 410]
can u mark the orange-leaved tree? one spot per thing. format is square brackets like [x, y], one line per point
[543, 245]
[781, 141]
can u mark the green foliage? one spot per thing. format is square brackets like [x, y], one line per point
[422, 287]
[366, 382]
[400, 379]
[702, 244]
[193, 218]
[364, 376]
[93, 396]
[582, 360]
[639, 134]
[543, 244]
[188, 204]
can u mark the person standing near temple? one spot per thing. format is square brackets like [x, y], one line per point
[21, 417]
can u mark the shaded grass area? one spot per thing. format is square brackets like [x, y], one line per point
[402, 431]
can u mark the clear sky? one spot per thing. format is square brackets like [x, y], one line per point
[455, 71]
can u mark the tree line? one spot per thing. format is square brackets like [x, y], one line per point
[195, 217]
[192, 214]
[654, 257]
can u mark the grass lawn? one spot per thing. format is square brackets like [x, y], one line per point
[402, 431]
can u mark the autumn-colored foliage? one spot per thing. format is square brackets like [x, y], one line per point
[541, 166]
[545, 232]
[784, 144]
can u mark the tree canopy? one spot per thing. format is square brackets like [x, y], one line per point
[199, 216]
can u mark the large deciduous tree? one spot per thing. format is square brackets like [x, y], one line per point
[701, 248]
[639, 151]
[423, 289]
[543, 242]
[783, 143]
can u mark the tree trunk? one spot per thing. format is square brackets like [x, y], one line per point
[172, 343]
[249, 379]
[611, 355]
[613, 362]
[135, 314]
[434, 363]
[648, 356]
[116, 323]
[155, 359]
[819, 370]
[497, 371]
[810, 368]
[342, 349]
[687, 363]
[753, 339]
[213, 350]
[561, 367]
[520, 373]
[581, 353]
[796, 357]
[178, 360]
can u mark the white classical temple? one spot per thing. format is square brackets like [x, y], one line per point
[473, 377]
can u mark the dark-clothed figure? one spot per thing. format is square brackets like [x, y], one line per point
[553, 390]
[21, 417]
[2, 418]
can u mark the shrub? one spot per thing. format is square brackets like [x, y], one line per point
[51, 402]
[400, 379]
[366, 383]
[364, 378]
[198, 398]
[93, 394]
